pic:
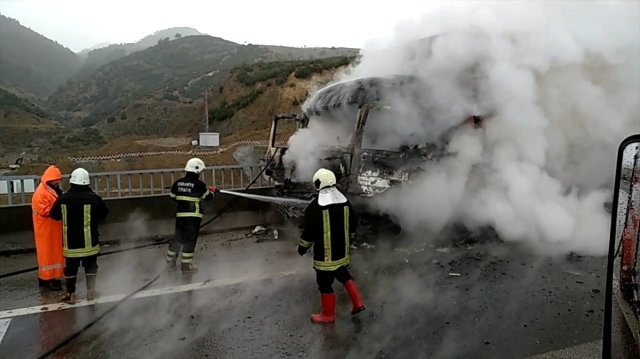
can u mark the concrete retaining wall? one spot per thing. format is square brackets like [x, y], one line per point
[140, 218]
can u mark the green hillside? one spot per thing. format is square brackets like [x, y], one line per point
[177, 70]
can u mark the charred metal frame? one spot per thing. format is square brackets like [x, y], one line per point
[356, 151]
[360, 171]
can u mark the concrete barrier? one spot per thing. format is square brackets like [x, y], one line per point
[141, 218]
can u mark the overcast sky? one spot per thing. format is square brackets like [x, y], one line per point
[80, 24]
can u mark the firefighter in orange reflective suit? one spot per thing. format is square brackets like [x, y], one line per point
[48, 232]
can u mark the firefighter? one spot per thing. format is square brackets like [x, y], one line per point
[329, 225]
[188, 192]
[48, 232]
[80, 210]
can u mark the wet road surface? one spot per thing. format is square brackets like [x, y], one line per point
[253, 300]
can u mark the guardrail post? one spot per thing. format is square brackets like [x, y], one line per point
[151, 182]
[119, 187]
[10, 192]
[22, 190]
[108, 186]
[233, 186]
[161, 182]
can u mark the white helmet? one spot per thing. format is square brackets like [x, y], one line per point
[80, 177]
[324, 178]
[195, 165]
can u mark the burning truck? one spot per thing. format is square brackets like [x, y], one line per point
[363, 114]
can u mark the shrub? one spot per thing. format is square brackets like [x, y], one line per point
[303, 72]
[279, 71]
[226, 111]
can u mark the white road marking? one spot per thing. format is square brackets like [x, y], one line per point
[143, 294]
[586, 350]
[4, 325]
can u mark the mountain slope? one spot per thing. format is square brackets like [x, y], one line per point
[24, 126]
[168, 66]
[244, 104]
[248, 97]
[31, 62]
[178, 71]
[170, 34]
[103, 55]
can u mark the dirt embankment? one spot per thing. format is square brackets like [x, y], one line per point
[156, 124]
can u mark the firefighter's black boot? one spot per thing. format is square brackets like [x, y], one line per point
[55, 284]
[188, 265]
[51, 284]
[171, 259]
[91, 287]
[70, 296]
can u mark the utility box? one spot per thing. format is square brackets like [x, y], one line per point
[209, 139]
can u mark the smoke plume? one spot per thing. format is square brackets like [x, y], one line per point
[559, 84]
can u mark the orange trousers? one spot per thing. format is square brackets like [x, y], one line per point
[48, 234]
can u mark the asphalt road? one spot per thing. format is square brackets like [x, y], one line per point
[253, 300]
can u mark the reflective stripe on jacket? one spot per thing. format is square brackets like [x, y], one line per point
[81, 210]
[328, 229]
[188, 192]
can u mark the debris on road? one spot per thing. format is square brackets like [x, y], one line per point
[573, 257]
[262, 234]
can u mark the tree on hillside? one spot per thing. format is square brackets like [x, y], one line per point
[178, 35]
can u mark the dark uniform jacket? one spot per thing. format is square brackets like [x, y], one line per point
[81, 210]
[329, 230]
[189, 191]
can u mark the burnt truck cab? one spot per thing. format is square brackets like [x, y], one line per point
[363, 164]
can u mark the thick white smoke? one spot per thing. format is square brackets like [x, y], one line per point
[560, 82]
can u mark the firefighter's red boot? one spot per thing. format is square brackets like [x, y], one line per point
[351, 288]
[328, 309]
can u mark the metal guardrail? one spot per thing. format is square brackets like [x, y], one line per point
[18, 190]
